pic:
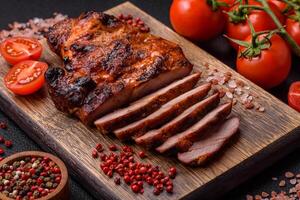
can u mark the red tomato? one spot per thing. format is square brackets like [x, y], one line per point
[293, 28]
[270, 68]
[196, 20]
[261, 21]
[18, 49]
[294, 96]
[26, 77]
[230, 3]
[281, 6]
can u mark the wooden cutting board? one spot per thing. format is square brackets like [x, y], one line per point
[264, 137]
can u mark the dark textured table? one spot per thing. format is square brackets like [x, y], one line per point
[17, 10]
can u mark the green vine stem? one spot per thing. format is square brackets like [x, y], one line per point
[283, 32]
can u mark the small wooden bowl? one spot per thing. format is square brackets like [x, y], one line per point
[62, 190]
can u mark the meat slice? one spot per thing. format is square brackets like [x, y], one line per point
[180, 123]
[210, 144]
[164, 114]
[107, 64]
[184, 140]
[146, 105]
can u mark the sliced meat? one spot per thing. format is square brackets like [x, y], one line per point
[200, 151]
[105, 99]
[146, 105]
[184, 140]
[180, 123]
[164, 114]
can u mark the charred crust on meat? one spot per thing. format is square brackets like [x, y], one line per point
[156, 67]
[109, 20]
[69, 67]
[102, 93]
[105, 19]
[57, 34]
[81, 47]
[53, 75]
[73, 94]
[116, 59]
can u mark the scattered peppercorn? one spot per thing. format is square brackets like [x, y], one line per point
[99, 147]
[142, 154]
[29, 178]
[117, 181]
[95, 153]
[2, 140]
[3, 125]
[8, 143]
[135, 173]
[113, 147]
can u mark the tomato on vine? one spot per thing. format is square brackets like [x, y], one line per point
[227, 4]
[197, 20]
[293, 28]
[237, 26]
[264, 58]
[281, 5]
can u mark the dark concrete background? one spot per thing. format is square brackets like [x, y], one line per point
[22, 10]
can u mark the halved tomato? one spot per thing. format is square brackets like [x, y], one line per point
[18, 49]
[294, 96]
[26, 77]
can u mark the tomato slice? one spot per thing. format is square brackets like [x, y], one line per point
[294, 96]
[18, 49]
[26, 77]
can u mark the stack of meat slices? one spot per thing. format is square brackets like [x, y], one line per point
[182, 117]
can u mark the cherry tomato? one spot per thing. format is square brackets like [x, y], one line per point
[26, 77]
[293, 28]
[281, 6]
[294, 96]
[271, 67]
[196, 20]
[261, 21]
[18, 49]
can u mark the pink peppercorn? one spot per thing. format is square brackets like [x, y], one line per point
[8, 143]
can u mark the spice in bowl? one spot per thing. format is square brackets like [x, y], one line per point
[30, 177]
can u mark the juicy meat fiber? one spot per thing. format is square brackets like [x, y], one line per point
[211, 143]
[145, 106]
[183, 141]
[180, 123]
[108, 64]
[164, 114]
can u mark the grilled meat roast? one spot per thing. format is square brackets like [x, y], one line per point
[107, 64]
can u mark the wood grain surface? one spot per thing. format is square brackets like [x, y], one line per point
[263, 138]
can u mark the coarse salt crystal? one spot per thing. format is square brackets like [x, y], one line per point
[244, 97]
[246, 87]
[261, 109]
[293, 181]
[238, 91]
[229, 95]
[232, 84]
[281, 183]
[289, 174]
